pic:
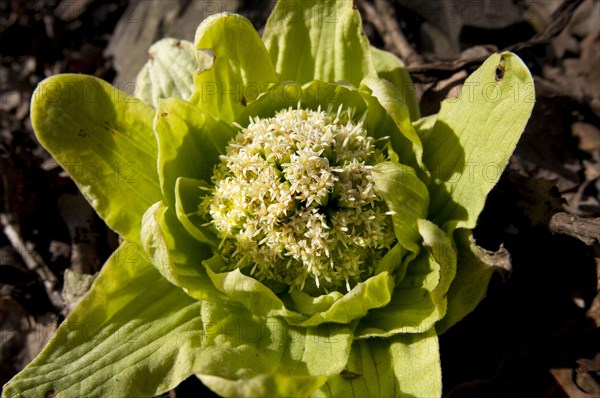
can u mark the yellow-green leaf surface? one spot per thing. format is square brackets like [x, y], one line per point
[311, 95]
[103, 138]
[392, 69]
[412, 308]
[252, 356]
[473, 138]
[375, 292]
[188, 191]
[424, 126]
[190, 142]
[175, 253]
[133, 335]
[318, 40]
[404, 366]
[237, 67]
[169, 71]
[420, 298]
[442, 251]
[407, 144]
[329, 97]
[406, 197]
[469, 286]
[300, 309]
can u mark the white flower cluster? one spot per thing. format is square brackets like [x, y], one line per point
[294, 200]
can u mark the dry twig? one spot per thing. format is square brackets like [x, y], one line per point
[32, 259]
[560, 19]
[586, 230]
[383, 17]
[424, 72]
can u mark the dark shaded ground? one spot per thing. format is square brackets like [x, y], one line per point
[535, 335]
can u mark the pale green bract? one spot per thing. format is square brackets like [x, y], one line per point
[168, 304]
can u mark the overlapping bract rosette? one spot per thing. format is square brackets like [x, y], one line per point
[169, 303]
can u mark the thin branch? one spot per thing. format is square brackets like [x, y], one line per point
[559, 20]
[426, 72]
[586, 230]
[383, 17]
[32, 259]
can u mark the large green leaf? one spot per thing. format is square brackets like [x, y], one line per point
[237, 67]
[407, 144]
[328, 97]
[103, 138]
[407, 198]
[442, 251]
[176, 254]
[394, 262]
[190, 142]
[473, 138]
[189, 192]
[404, 366]
[300, 309]
[247, 291]
[134, 334]
[318, 40]
[391, 68]
[420, 299]
[251, 356]
[474, 270]
[312, 95]
[375, 292]
[424, 126]
[169, 71]
[412, 308]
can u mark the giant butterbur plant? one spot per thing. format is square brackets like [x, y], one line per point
[290, 226]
